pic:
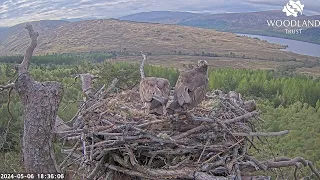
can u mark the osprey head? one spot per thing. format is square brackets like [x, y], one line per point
[202, 63]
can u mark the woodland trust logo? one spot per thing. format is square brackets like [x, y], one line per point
[293, 26]
[293, 8]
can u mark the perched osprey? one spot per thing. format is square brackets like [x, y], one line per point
[154, 92]
[190, 89]
[87, 88]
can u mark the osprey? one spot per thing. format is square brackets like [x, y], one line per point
[154, 92]
[87, 88]
[190, 89]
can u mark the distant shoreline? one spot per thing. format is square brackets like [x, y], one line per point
[292, 45]
[273, 34]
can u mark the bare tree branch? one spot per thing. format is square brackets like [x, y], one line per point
[280, 162]
[142, 74]
[23, 67]
[262, 133]
[227, 121]
[11, 85]
[191, 131]
[95, 171]
[240, 118]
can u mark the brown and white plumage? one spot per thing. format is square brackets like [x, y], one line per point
[154, 92]
[87, 81]
[190, 89]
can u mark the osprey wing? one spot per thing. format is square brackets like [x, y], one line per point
[188, 82]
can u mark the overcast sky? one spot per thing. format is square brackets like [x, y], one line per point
[17, 11]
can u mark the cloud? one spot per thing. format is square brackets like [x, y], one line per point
[17, 11]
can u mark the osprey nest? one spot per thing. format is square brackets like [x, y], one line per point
[112, 138]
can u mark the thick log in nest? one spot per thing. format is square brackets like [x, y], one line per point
[112, 135]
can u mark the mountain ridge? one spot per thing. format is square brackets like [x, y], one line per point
[165, 17]
[248, 23]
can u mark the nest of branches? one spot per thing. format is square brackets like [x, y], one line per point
[112, 136]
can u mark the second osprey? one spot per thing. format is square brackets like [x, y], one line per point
[190, 89]
[154, 92]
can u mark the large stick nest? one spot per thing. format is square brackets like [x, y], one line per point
[113, 136]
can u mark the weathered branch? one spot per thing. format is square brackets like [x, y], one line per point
[240, 118]
[205, 176]
[152, 122]
[142, 74]
[227, 121]
[8, 86]
[262, 133]
[4, 136]
[95, 170]
[256, 162]
[70, 154]
[126, 171]
[280, 162]
[203, 119]
[23, 67]
[191, 131]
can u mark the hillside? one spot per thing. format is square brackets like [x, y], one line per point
[14, 40]
[157, 39]
[249, 22]
[235, 21]
[3, 30]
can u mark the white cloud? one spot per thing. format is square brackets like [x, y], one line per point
[18, 11]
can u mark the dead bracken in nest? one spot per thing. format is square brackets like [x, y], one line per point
[114, 136]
